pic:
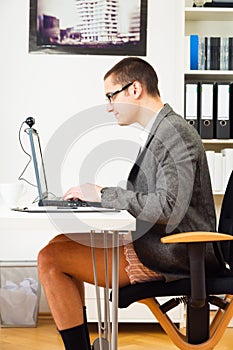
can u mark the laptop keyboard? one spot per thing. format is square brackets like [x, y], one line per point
[67, 204]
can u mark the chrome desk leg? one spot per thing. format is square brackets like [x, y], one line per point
[103, 343]
[115, 289]
[97, 289]
[107, 327]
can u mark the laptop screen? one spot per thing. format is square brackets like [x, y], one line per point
[38, 163]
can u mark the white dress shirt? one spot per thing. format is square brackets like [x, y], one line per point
[146, 131]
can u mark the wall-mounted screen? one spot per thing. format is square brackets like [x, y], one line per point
[99, 27]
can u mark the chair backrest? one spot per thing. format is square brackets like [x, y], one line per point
[226, 223]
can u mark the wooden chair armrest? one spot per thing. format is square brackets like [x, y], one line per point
[190, 237]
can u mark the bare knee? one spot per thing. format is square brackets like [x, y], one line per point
[49, 258]
[46, 260]
[59, 238]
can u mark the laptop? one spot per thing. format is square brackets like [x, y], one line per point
[55, 203]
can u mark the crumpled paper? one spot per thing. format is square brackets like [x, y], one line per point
[18, 302]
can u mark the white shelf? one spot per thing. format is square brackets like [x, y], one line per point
[209, 75]
[210, 72]
[208, 14]
[217, 141]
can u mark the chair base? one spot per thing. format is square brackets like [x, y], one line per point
[216, 328]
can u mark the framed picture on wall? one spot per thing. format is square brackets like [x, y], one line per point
[94, 27]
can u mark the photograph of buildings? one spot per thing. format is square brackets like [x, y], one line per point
[90, 24]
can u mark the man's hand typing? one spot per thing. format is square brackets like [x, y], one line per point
[86, 192]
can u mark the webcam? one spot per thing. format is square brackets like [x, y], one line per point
[30, 121]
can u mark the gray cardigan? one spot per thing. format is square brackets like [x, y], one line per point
[168, 191]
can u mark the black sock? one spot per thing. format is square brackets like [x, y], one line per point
[86, 327]
[75, 338]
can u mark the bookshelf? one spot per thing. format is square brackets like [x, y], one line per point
[205, 21]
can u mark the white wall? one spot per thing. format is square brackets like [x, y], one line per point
[52, 88]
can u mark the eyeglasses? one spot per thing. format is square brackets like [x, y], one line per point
[114, 93]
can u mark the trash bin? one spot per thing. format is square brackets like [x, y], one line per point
[19, 294]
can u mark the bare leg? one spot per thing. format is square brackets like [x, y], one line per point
[64, 265]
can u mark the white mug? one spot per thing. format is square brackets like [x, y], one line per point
[12, 192]
[199, 3]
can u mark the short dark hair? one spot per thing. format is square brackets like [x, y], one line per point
[133, 68]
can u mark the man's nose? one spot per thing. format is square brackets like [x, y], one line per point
[109, 107]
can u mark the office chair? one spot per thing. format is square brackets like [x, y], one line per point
[198, 291]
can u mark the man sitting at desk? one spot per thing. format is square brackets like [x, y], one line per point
[168, 191]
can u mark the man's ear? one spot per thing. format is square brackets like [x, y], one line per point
[136, 89]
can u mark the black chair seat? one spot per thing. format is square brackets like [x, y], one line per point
[139, 291]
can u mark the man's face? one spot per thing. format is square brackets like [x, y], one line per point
[122, 104]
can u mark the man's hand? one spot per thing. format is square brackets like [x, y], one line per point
[86, 192]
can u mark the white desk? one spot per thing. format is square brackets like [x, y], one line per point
[27, 225]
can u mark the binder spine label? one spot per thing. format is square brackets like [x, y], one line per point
[207, 101]
[191, 101]
[223, 102]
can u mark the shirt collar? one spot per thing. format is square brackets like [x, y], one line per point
[146, 131]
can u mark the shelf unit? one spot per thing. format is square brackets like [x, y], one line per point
[206, 21]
